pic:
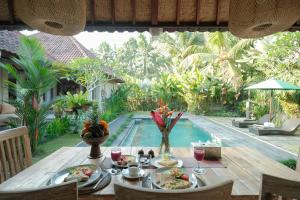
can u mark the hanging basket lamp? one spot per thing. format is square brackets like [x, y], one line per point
[258, 18]
[58, 17]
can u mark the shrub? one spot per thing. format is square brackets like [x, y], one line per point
[291, 163]
[57, 127]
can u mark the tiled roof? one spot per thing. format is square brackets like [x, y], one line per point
[63, 48]
[9, 41]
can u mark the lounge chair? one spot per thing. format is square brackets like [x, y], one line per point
[289, 127]
[246, 122]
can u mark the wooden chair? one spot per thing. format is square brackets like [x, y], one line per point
[218, 192]
[15, 152]
[298, 163]
[65, 191]
[278, 188]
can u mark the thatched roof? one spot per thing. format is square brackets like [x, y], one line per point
[127, 15]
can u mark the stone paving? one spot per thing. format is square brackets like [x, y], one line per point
[275, 147]
[289, 143]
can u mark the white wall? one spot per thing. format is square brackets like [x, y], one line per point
[101, 92]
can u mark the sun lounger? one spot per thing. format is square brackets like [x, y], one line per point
[246, 122]
[289, 127]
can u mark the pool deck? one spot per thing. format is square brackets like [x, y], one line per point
[275, 147]
[288, 143]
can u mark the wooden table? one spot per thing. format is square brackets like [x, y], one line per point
[244, 166]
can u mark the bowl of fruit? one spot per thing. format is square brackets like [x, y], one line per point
[94, 133]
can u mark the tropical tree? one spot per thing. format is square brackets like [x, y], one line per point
[37, 77]
[220, 53]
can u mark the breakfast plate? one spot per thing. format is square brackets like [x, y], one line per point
[84, 174]
[124, 161]
[173, 178]
[166, 161]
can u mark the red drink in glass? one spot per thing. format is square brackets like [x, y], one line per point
[199, 154]
[115, 154]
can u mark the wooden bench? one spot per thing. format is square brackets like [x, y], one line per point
[15, 152]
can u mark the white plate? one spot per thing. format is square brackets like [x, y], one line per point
[125, 173]
[59, 177]
[131, 157]
[155, 182]
[154, 162]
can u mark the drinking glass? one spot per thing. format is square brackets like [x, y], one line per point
[115, 153]
[199, 153]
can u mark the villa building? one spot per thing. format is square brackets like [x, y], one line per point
[59, 49]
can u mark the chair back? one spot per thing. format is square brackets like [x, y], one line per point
[65, 191]
[218, 192]
[15, 152]
[278, 188]
[291, 124]
[298, 162]
[264, 118]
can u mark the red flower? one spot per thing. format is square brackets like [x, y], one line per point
[158, 119]
[174, 121]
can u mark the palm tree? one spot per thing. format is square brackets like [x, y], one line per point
[221, 50]
[37, 78]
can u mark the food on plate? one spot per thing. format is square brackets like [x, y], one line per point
[79, 173]
[124, 160]
[172, 179]
[177, 184]
[167, 161]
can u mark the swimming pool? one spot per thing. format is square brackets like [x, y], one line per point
[145, 133]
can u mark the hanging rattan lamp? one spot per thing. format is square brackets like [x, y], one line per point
[258, 18]
[58, 17]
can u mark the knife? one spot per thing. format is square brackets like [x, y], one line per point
[100, 180]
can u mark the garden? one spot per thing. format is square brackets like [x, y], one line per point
[201, 73]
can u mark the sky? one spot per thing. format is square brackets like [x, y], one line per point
[91, 40]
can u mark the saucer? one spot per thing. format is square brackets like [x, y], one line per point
[125, 173]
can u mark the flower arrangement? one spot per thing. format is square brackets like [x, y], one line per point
[162, 116]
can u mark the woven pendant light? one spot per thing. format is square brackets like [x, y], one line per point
[58, 17]
[257, 18]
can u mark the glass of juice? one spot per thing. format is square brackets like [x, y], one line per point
[199, 153]
[115, 153]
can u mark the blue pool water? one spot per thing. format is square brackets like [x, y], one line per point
[145, 133]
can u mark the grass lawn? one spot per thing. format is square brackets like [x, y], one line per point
[49, 147]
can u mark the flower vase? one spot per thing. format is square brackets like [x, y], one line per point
[165, 143]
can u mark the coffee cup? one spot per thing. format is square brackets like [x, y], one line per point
[133, 169]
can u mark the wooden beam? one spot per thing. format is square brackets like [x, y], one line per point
[93, 9]
[113, 11]
[198, 12]
[218, 12]
[11, 11]
[178, 12]
[133, 6]
[154, 12]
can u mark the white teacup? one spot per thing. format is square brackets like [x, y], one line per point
[133, 169]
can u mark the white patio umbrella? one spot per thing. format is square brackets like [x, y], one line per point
[272, 85]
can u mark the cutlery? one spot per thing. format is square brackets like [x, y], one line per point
[100, 180]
